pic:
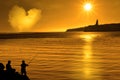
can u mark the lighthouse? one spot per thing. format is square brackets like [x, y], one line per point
[97, 23]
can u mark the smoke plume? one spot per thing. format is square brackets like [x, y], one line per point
[22, 20]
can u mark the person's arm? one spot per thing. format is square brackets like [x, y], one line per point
[27, 65]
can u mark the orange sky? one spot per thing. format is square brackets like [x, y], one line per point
[59, 15]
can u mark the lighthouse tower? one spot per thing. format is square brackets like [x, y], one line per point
[97, 23]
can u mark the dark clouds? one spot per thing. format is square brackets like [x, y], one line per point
[58, 15]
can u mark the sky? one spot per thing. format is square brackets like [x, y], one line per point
[55, 15]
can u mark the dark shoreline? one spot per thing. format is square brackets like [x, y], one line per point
[114, 27]
[32, 35]
[45, 34]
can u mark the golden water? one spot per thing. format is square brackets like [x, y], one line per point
[84, 56]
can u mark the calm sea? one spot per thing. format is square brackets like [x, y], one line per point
[72, 56]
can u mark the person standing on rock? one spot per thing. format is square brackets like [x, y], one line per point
[23, 68]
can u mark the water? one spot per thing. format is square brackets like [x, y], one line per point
[78, 56]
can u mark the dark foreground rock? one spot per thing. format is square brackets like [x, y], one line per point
[11, 75]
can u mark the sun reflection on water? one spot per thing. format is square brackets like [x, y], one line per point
[88, 37]
[88, 70]
[87, 52]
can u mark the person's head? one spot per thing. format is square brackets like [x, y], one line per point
[23, 61]
[9, 62]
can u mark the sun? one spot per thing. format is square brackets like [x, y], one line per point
[87, 6]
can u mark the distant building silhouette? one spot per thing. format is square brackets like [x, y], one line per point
[97, 23]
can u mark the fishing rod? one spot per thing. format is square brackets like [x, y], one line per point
[32, 58]
[30, 61]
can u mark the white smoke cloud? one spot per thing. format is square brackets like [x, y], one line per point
[21, 20]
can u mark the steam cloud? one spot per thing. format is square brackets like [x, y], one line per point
[21, 20]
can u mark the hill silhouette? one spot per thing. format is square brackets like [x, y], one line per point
[98, 28]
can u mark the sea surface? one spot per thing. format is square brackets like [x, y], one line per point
[74, 56]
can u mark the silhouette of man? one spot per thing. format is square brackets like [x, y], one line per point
[2, 72]
[1, 67]
[8, 66]
[23, 68]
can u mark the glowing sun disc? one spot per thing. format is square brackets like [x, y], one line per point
[88, 6]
